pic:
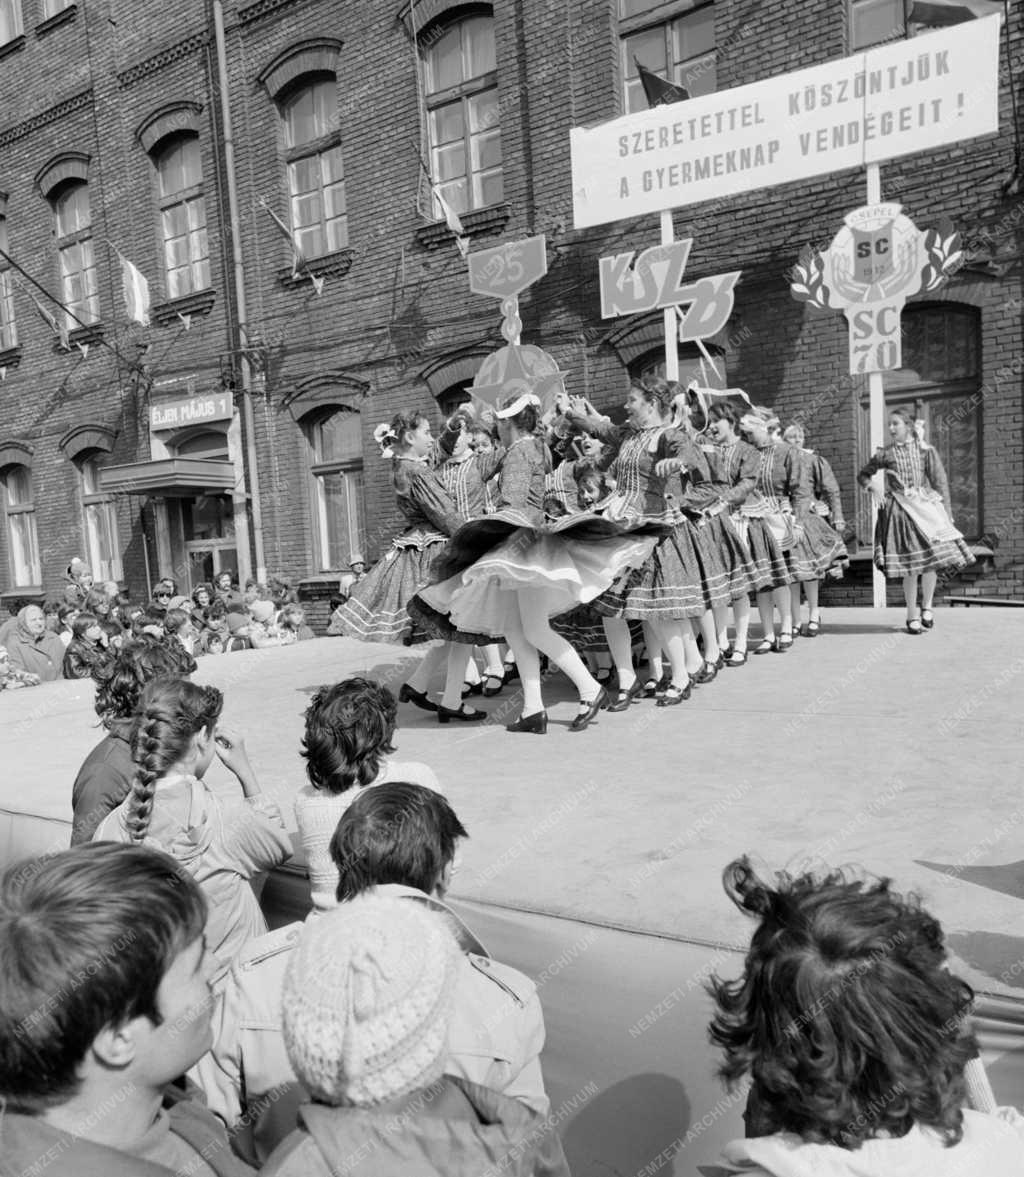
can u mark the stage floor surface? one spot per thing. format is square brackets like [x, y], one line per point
[864, 746]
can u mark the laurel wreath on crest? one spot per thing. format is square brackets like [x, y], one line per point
[944, 255]
[807, 278]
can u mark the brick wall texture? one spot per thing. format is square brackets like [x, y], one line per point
[403, 308]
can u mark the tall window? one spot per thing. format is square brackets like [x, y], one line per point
[74, 247]
[20, 513]
[8, 331]
[99, 524]
[872, 22]
[179, 169]
[10, 20]
[336, 446]
[316, 171]
[463, 114]
[941, 378]
[680, 49]
[52, 7]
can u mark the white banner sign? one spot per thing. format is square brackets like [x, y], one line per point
[890, 101]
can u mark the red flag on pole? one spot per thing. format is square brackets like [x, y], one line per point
[657, 90]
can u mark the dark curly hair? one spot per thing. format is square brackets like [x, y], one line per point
[349, 728]
[120, 680]
[725, 411]
[845, 1016]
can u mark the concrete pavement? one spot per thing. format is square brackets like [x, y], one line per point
[864, 746]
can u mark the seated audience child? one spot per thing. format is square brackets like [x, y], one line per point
[178, 628]
[394, 839]
[222, 843]
[350, 729]
[368, 1002]
[106, 774]
[855, 1035]
[292, 622]
[66, 615]
[87, 648]
[100, 1012]
[263, 628]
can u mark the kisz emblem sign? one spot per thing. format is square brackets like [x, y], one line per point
[632, 284]
[875, 262]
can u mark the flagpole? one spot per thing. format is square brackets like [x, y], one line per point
[671, 334]
[876, 410]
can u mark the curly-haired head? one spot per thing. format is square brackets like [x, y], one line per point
[171, 712]
[795, 434]
[96, 601]
[349, 729]
[120, 680]
[725, 411]
[845, 1017]
[657, 391]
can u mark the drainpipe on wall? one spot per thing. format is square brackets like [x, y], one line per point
[240, 317]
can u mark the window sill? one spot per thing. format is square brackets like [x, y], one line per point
[335, 265]
[10, 357]
[32, 593]
[199, 302]
[12, 46]
[64, 17]
[478, 223]
[87, 335]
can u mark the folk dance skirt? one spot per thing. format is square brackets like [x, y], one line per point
[667, 587]
[561, 569]
[766, 553]
[378, 608]
[914, 534]
[727, 569]
[583, 629]
[816, 551]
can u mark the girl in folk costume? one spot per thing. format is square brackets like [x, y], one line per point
[823, 529]
[538, 572]
[465, 473]
[376, 610]
[914, 534]
[734, 466]
[776, 508]
[666, 593]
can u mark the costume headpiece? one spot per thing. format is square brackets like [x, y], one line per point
[385, 437]
[517, 406]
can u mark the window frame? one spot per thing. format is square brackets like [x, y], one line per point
[318, 470]
[68, 241]
[193, 194]
[18, 22]
[25, 509]
[462, 92]
[106, 502]
[664, 15]
[319, 147]
[853, 5]
[8, 315]
[51, 8]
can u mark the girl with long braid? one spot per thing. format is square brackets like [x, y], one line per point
[223, 844]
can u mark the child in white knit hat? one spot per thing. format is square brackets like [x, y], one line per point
[368, 999]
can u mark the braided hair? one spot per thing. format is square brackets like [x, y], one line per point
[170, 713]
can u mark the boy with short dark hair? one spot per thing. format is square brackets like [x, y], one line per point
[100, 1011]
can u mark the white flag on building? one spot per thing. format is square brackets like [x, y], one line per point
[136, 291]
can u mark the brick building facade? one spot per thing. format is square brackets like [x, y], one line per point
[236, 430]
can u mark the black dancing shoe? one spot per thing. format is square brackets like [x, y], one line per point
[625, 698]
[466, 713]
[927, 618]
[675, 695]
[489, 691]
[585, 718]
[707, 673]
[472, 688]
[536, 724]
[407, 695]
[511, 672]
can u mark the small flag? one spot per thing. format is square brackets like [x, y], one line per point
[59, 329]
[298, 261]
[318, 284]
[186, 320]
[3, 375]
[657, 90]
[135, 288]
[943, 13]
[451, 217]
[83, 348]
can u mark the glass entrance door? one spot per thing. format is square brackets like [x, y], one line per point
[208, 527]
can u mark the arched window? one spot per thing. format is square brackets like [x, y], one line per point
[20, 515]
[335, 439]
[941, 379]
[692, 366]
[75, 252]
[316, 171]
[453, 397]
[463, 114]
[8, 331]
[99, 522]
[179, 169]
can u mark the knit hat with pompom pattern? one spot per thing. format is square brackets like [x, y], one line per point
[367, 1000]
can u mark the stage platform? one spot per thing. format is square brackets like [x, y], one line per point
[864, 747]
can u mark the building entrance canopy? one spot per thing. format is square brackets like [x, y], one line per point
[170, 477]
